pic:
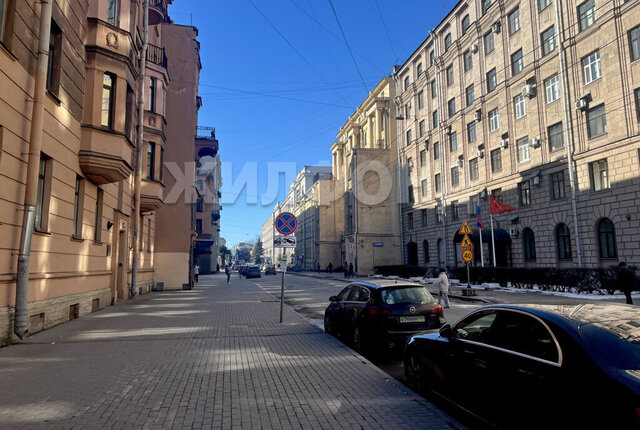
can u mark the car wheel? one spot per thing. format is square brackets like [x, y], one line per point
[415, 373]
[328, 326]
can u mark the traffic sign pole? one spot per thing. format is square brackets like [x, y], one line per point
[282, 290]
[286, 223]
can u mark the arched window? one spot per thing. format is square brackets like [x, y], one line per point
[563, 242]
[529, 242]
[607, 239]
[425, 249]
[466, 23]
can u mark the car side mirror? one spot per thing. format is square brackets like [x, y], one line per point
[333, 298]
[446, 331]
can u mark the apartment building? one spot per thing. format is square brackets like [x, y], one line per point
[69, 142]
[491, 107]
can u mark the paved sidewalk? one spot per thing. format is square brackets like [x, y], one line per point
[212, 357]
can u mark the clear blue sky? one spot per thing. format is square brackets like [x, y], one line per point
[278, 81]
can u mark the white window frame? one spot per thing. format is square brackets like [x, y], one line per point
[552, 88]
[494, 119]
[523, 150]
[520, 106]
[591, 67]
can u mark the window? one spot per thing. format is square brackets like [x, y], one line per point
[410, 165]
[406, 83]
[542, 4]
[471, 132]
[113, 12]
[556, 139]
[552, 89]
[523, 149]
[517, 62]
[599, 173]
[519, 106]
[410, 220]
[634, 43]
[529, 244]
[423, 158]
[108, 92]
[450, 75]
[130, 108]
[410, 193]
[436, 150]
[423, 218]
[494, 120]
[591, 67]
[587, 14]
[607, 239]
[492, 81]
[432, 57]
[422, 127]
[161, 165]
[434, 89]
[153, 89]
[524, 190]
[473, 169]
[151, 155]
[486, 4]
[453, 142]
[434, 118]
[420, 100]
[636, 93]
[407, 110]
[409, 137]
[425, 244]
[423, 188]
[419, 69]
[447, 42]
[436, 183]
[488, 43]
[596, 121]
[55, 55]
[455, 210]
[469, 96]
[44, 193]
[557, 185]
[548, 41]
[199, 205]
[466, 23]
[452, 107]
[514, 21]
[199, 226]
[468, 60]
[97, 229]
[563, 242]
[78, 206]
[3, 19]
[496, 161]
[497, 193]
[455, 176]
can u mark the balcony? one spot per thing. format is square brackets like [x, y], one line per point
[157, 11]
[156, 55]
[105, 156]
[151, 195]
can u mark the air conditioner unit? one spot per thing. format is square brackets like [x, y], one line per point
[477, 115]
[503, 143]
[536, 180]
[534, 142]
[581, 104]
[425, 145]
[460, 163]
[527, 90]
[514, 232]
[474, 48]
[480, 154]
[496, 27]
[483, 194]
[447, 129]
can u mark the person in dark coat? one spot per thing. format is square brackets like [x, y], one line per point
[351, 270]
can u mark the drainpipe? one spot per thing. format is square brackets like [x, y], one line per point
[138, 175]
[567, 132]
[33, 165]
[399, 188]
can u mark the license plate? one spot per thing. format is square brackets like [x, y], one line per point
[416, 319]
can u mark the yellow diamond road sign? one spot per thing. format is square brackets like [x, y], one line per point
[465, 229]
[466, 243]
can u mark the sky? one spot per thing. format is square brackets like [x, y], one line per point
[280, 77]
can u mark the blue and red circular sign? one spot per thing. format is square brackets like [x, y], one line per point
[286, 223]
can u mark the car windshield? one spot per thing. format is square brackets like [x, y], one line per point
[412, 295]
[622, 352]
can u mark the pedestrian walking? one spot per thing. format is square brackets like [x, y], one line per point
[318, 267]
[443, 288]
[351, 270]
[196, 272]
[228, 273]
[345, 268]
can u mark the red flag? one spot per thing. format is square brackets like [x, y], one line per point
[498, 207]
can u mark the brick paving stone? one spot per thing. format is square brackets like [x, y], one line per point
[212, 357]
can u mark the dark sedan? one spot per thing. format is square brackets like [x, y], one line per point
[537, 366]
[270, 270]
[252, 272]
[381, 315]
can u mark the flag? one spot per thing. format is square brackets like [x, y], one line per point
[479, 217]
[497, 207]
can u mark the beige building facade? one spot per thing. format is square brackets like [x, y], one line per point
[491, 109]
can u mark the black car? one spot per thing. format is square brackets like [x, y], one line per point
[536, 366]
[270, 270]
[381, 315]
[252, 272]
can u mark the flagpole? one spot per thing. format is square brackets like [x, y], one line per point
[493, 241]
[481, 253]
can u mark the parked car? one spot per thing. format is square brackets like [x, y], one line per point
[270, 270]
[540, 366]
[380, 316]
[252, 271]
